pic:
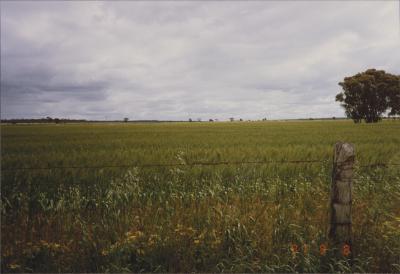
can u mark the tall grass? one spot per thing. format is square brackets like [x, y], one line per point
[235, 218]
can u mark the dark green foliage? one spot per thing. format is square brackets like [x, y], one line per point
[369, 94]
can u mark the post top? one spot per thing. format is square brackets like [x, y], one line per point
[344, 151]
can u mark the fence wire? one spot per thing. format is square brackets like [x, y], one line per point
[191, 164]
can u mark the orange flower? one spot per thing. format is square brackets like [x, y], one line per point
[294, 248]
[346, 250]
[322, 249]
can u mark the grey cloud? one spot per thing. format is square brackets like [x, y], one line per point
[175, 60]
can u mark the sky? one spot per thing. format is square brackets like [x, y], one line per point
[189, 59]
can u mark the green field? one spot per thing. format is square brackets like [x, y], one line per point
[269, 217]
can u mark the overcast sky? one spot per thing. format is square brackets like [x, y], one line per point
[176, 60]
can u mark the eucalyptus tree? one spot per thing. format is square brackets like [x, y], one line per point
[368, 95]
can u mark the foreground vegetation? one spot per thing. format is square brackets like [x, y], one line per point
[235, 218]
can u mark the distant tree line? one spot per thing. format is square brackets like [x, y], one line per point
[43, 120]
[231, 119]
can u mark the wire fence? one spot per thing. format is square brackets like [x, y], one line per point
[191, 164]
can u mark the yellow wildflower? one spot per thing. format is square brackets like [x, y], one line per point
[139, 233]
[132, 237]
[14, 266]
[140, 251]
[201, 236]
[104, 252]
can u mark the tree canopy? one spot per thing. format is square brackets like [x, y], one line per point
[370, 94]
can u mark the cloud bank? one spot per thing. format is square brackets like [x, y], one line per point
[180, 60]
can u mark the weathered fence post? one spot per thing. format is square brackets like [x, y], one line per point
[341, 195]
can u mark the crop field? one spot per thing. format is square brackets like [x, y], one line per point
[132, 198]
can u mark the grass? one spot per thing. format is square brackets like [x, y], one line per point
[235, 218]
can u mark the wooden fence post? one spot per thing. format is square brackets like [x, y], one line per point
[341, 195]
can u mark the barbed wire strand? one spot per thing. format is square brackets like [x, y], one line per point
[376, 165]
[166, 165]
[305, 179]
